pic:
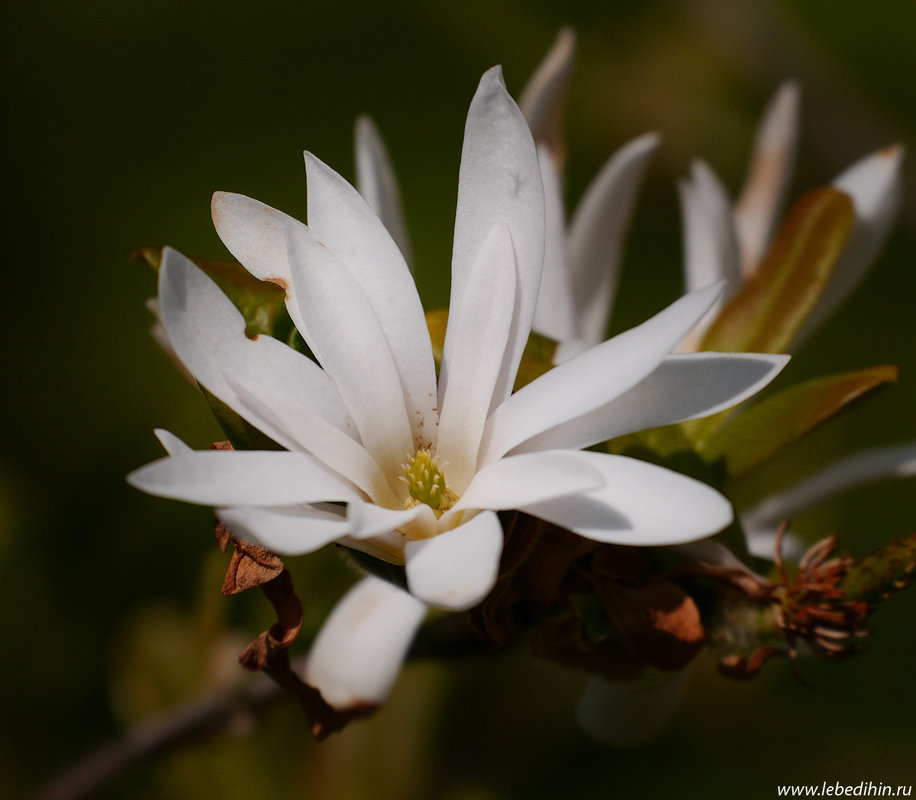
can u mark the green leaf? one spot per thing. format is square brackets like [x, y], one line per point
[761, 431]
[767, 312]
[263, 304]
[537, 357]
[882, 572]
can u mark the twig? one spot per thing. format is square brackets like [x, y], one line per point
[448, 636]
[160, 735]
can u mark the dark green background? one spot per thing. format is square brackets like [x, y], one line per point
[121, 119]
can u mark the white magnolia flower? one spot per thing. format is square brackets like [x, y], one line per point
[722, 242]
[581, 260]
[381, 456]
[728, 242]
[725, 242]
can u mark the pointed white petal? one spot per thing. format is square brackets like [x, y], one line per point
[875, 184]
[359, 650]
[377, 182]
[711, 249]
[286, 530]
[555, 313]
[621, 714]
[761, 542]
[686, 386]
[640, 504]
[475, 344]
[455, 570]
[500, 181]
[243, 478]
[710, 246]
[208, 334]
[305, 430]
[258, 236]
[768, 177]
[592, 379]
[707, 551]
[847, 473]
[342, 221]
[528, 478]
[543, 100]
[346, 337]
[368, 519]
[566, 351]
[597, 231]
[171, 443]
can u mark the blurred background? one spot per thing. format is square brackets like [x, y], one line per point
[123, 118]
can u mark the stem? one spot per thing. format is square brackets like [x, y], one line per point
[160, 735]
[448, 636]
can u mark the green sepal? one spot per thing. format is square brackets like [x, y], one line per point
[761, 431]
[393, 573]
[261, 303]
[882, 572]
[240, 433]
[768, 311]
[437, 322]
[537, 357]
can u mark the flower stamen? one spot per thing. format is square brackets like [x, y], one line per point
[426, 483]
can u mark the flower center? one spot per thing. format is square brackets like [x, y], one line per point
[426, 483]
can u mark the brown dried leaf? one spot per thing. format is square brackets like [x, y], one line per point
[250, 566]
[660, 620]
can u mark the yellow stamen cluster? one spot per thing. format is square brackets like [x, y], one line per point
[426, 483]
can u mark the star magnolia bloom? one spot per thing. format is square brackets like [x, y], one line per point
[421, 467]
[725, 242]
[722, 241]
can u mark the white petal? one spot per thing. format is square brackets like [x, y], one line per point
[597, 232]
[171, 443]
[621, 714]
[377, 182]
[856, 470]
[528, 478]
[711, 249]
[592, 379]
[475, 344]
[368, 520]
[346, 337]
[307, 431]
[456, 569]
[768, 177]
[875, 185]
[566, 351]
[258, 236]
[555, 313]
[761, 542]
[683, 387]
[543, 99]
[243, 478]
[208, 333]
[708, 551]
[500, 182]
[342, 221]
[359, 650]
[641, 504]
[710, 246]
[289, 530]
